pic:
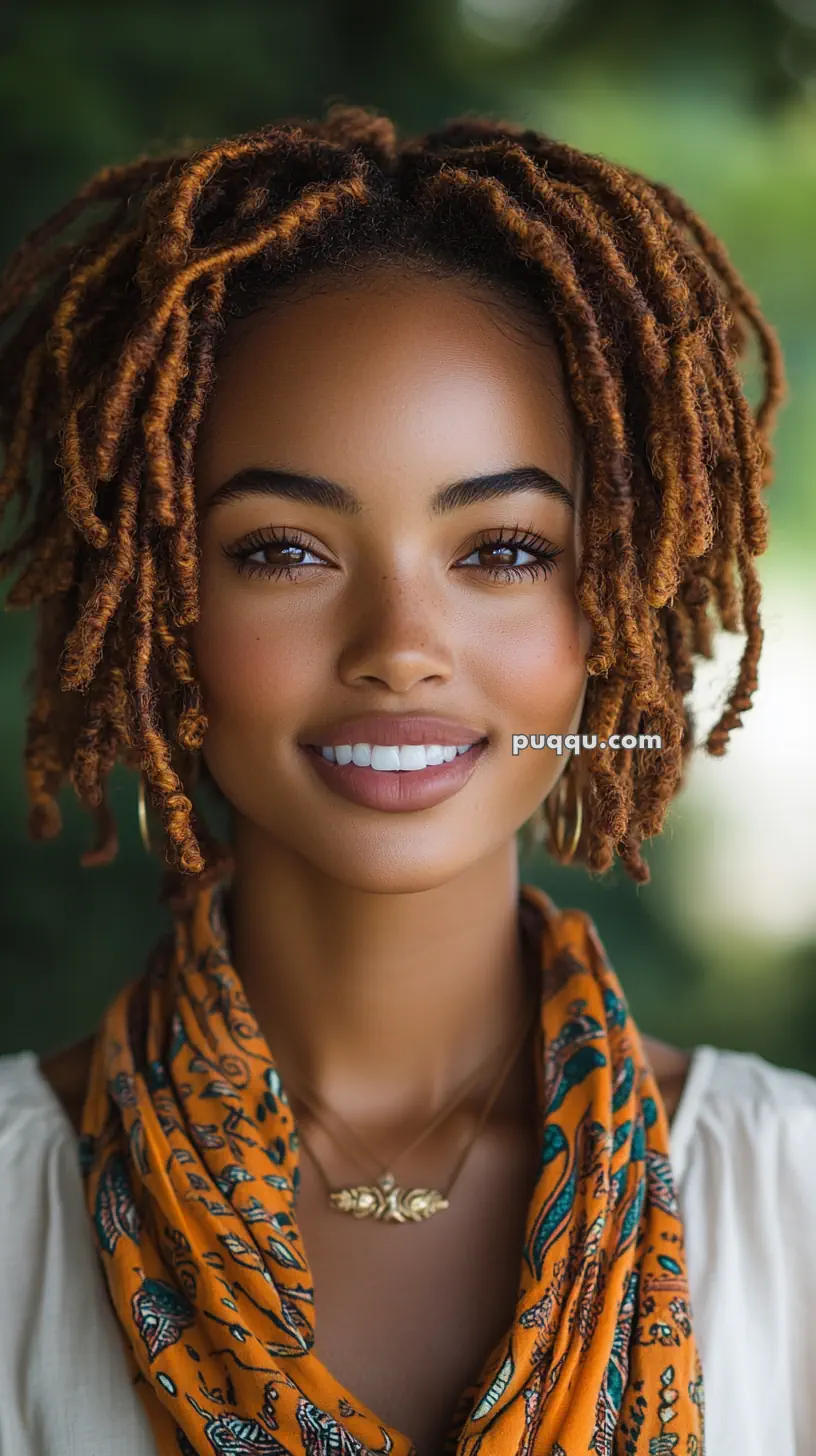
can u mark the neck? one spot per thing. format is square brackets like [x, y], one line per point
[380, 1004]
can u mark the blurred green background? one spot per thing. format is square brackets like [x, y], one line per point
[718, 100]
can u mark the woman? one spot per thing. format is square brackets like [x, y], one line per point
[369, 456]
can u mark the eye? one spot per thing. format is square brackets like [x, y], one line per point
[287, 544]
[512, 543]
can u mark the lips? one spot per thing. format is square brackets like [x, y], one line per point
[391, 731]
[396, 792]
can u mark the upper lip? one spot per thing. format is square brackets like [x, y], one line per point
[389, 730]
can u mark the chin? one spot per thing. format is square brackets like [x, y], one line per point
[394, 863]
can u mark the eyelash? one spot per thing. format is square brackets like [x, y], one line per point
[516, 538]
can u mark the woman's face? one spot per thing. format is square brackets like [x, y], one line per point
[392, 389]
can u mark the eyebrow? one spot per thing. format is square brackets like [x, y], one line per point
[317, 490]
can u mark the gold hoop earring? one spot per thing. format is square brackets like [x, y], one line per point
[545, 815]
[559, 831]
[143, 829]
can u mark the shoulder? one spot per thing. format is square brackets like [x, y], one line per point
[748, 1077]
[31, 1113]
[670, 1066]
[50, 1280]
[741, 1086]
[41, 1203]
[66, 1073]
[37, 1147]
[742, 1147]
[748, 1125]
[40, 1178]
[713, 1096]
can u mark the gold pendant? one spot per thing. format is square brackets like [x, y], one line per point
[389, 1203]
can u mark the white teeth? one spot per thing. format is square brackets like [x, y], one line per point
[389, 759]
[409, 756]
[386, 760]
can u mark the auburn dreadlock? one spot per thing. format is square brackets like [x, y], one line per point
[111, 352]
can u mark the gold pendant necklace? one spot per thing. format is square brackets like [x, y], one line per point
[384, 1200]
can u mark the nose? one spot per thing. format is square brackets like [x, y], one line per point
[397, 635]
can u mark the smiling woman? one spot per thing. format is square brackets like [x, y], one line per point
[359, 457]
[420, 476]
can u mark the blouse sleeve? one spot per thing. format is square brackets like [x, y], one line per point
[64, 1385]
[745, 1159]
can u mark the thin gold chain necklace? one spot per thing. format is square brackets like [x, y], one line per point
[384, 1200]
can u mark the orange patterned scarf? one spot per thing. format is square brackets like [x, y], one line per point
[190, 1157]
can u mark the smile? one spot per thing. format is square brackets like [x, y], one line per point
[397, 780]
[406, 759]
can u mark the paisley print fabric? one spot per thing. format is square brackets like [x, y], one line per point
[191, 1166]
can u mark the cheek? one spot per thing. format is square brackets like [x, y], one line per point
[254, 667]
[537, 673]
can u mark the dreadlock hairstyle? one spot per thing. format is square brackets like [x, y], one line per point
[111, 351]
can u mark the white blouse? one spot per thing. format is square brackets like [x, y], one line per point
[743, 1151]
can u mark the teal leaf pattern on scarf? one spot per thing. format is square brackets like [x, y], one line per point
[115, 1214]
[161, 1315]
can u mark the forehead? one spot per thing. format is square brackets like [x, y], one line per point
[416, 378]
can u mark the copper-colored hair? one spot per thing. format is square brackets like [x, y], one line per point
[109, 359]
